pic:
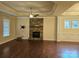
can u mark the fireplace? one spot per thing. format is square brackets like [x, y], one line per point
[36, 29]
[36, 34]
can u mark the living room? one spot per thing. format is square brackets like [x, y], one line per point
[39, 26]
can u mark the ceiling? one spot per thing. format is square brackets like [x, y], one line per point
[43, 8]
[73, 10]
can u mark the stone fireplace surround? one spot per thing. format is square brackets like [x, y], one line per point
[36, 25]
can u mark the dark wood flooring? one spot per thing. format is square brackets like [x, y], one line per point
[39, 49]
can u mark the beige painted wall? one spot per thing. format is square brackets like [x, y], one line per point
[71, 35]
[49, 29]
[12, 28]
[23, 32]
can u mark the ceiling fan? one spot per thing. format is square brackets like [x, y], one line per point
[32, 15]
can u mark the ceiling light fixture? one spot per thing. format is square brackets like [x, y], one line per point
[31, 15]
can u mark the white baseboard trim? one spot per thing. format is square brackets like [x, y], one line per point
[67, 41]
[6, 41]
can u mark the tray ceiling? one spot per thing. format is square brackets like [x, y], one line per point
[44, 8]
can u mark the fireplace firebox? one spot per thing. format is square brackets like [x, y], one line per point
[36, 34]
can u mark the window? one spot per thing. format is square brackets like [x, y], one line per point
[67, 24]
[6, 27]
[75, 24]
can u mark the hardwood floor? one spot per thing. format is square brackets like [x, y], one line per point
[39, 49]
